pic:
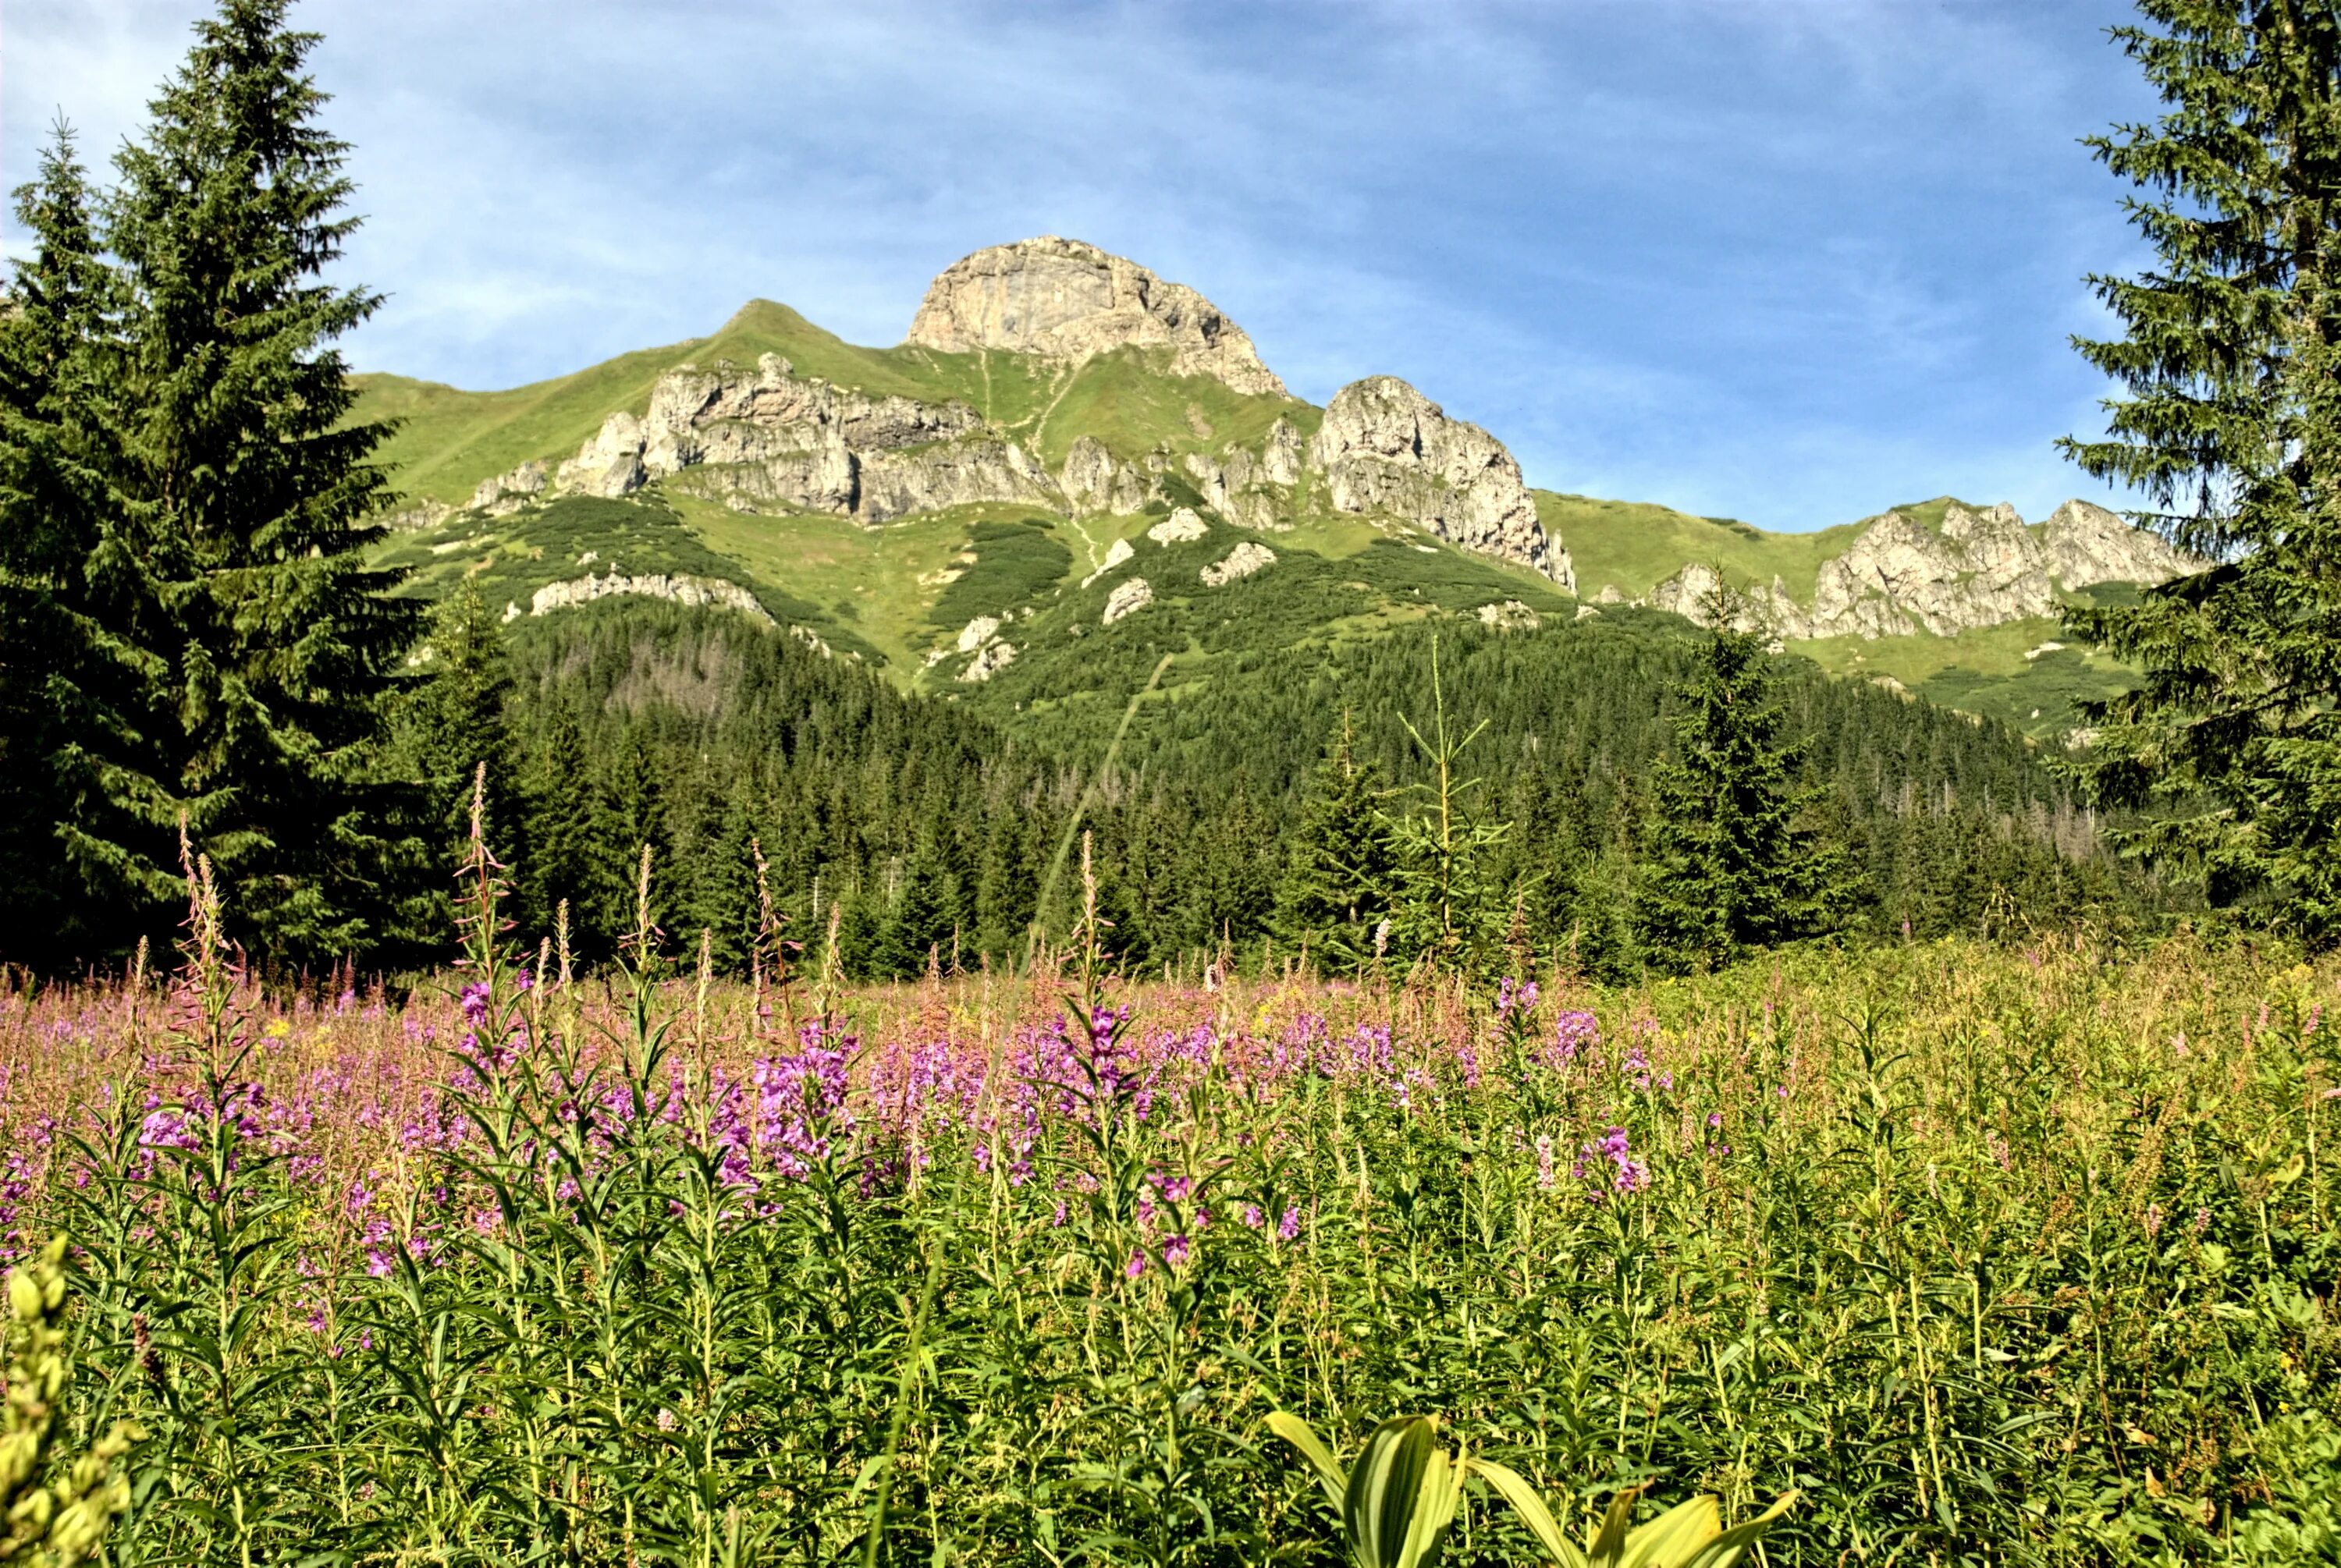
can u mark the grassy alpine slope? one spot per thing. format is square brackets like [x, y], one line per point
[899, 594]
[2010, 1255]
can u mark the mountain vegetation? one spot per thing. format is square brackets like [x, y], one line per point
[877, 636]
[2229, 421]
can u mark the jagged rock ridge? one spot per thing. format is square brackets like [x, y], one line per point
[1979, 569]
[1385, 447]
[1064, 298]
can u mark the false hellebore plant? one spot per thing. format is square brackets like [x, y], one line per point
[1396, 1506]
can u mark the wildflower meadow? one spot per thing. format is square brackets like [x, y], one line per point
[1989, 1253]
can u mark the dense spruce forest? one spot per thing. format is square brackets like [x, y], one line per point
[933, 834]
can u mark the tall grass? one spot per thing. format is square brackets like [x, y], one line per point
[2018, 1255]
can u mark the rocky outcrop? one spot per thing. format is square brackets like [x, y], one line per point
[1692, 593]
[951, 473]
[1977, 569]
[1384, 447]
[679, 588]
[1242, 561]
[1237, 484]
[1511, 615]
[417, 515]
[1182, 527]
[1980, 568]
[778, 437]
[989, 660]
[508, 492]
[1095, 482]
[2088, 544]
[1116, 553]
[1068, 300]
[1129, 596]
[1283, 453]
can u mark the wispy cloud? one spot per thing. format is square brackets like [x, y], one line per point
[1790, 260]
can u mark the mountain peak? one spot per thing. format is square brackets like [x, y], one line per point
[1068, 299]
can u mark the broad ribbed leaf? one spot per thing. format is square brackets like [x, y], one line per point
[1610, 1541]
[1514, 1489]
[1400, 1476]
[1730, 1547]
[1297, 1432]
[1674, 1537]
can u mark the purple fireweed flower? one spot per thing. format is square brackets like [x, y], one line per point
[1252, 1217]
[1136, 1265]
[1627, 1173]
[1288, 1227]
[1175, 1252]
[1574, 1032]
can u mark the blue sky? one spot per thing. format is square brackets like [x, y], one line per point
[1789, 260]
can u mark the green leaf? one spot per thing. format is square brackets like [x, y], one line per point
[1609, 1541]
[1296, 1432]
[1514, 1489]
[1673, 1537]
[1728, 1548]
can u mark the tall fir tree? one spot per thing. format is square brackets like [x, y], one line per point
[566, 864]
[2230, 424]
[1339, 865]
[253, 494]
[454, 721]
[1446, 907]
[77, 697]
[1729, 865]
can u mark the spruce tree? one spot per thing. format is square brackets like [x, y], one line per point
[2229, 426]
[926, 916]
[1729, 865]
[253, 494]
[1338, 864]
[565, 864]
[77, 701]
[1446, 906]
[454, 720]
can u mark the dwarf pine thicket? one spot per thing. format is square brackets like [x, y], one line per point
[1992, 1254]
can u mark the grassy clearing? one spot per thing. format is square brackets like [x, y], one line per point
[1986, 671]
[1635, 546]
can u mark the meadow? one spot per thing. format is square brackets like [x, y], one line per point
[1995, 1254]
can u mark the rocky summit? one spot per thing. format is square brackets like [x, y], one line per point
[1068, 300]
[1385, 447]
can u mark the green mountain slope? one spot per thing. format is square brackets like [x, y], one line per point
[988, 559]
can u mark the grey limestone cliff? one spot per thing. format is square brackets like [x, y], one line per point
[1384, 447]
[1067, 299]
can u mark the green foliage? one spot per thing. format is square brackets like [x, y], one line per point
[1397, 1504]
[1446, 906]
[72, 687]
[1340, 867]
[46, 1524]
[1014, 564]
[1730, 865]
[197, 509]
[2230, 427]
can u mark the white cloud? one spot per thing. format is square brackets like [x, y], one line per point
[1789, 260]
